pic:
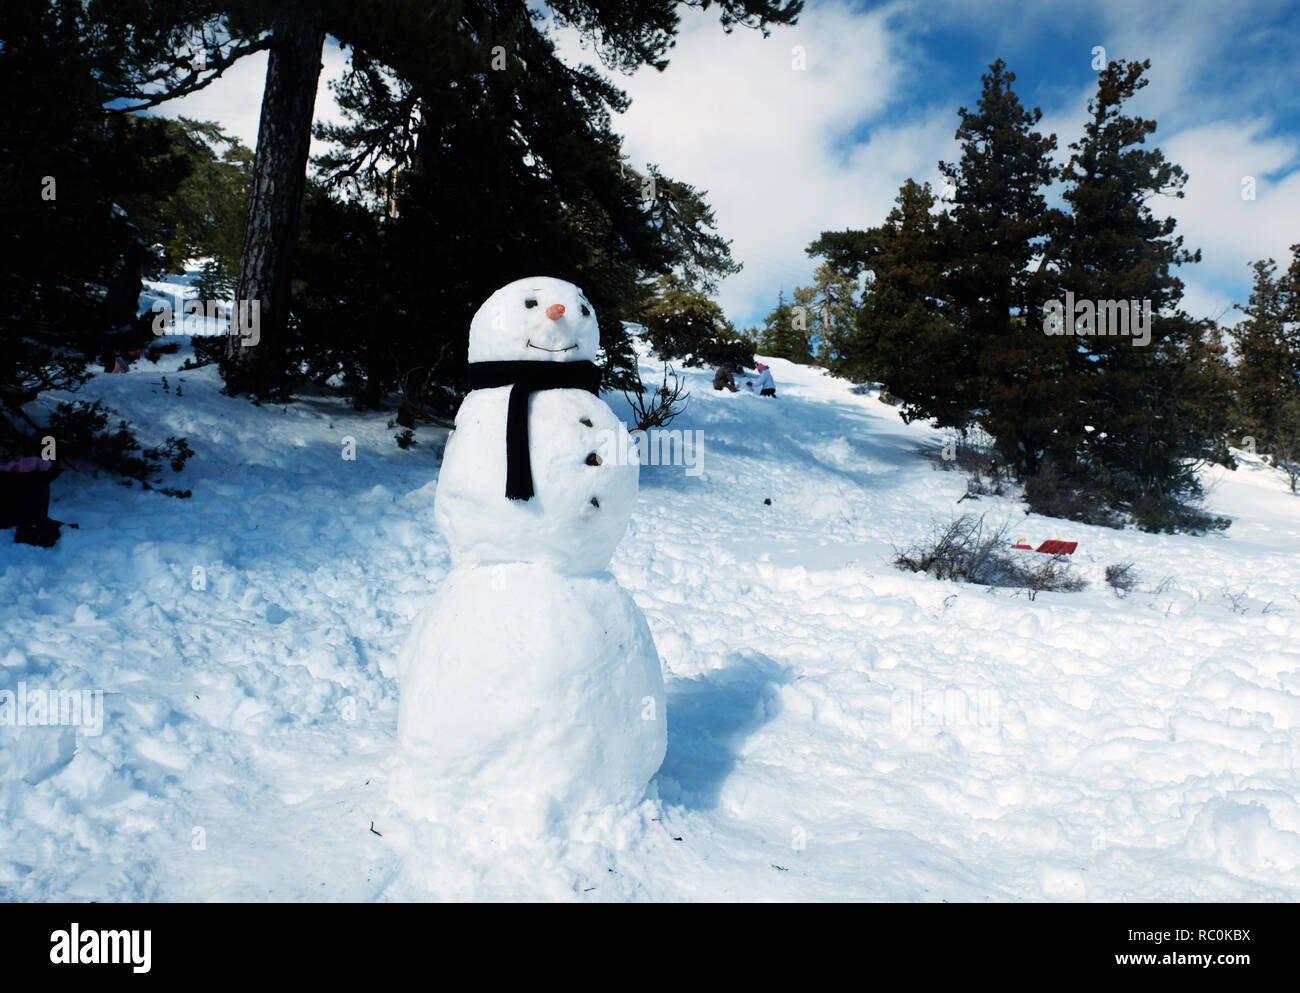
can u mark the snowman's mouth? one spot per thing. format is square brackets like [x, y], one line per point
[566, 348]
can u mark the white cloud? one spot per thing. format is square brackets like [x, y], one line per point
[771, 143]
[1230, 231]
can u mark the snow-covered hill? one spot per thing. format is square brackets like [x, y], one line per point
[838, 729]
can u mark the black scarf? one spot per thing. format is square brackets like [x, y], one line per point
[524, 378]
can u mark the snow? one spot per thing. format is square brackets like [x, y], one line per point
[837, 729]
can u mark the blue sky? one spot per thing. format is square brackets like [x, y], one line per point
[786, 153]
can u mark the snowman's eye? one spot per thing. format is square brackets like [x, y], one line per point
[530, 304]
[586, 311]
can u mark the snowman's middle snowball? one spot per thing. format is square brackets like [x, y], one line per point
[525, 379]
[560, 525]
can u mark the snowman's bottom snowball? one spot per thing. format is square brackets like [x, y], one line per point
[529, 698]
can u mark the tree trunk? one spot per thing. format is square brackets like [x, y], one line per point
[256, 351]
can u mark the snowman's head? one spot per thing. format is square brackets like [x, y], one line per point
[538, 319]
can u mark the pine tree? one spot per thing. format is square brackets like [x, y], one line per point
[439, 54]
[352, 313]
[1267, 344]
[206, 215]
[147, 53]
[436, 115]
[952, 320]
[683, 323]
[999, 222]
[944, 318]
[254, 362]
[1267, 372]
[82, 197]
[449, 54]
[830, 300]
[785, 332]
[1144, 402]
[902, 337]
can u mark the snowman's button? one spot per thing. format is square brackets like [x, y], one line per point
[593, 459]
[595, 503]
[585, 420]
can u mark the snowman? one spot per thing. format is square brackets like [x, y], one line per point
[531, 691]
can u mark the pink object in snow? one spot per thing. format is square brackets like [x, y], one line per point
[29, 463]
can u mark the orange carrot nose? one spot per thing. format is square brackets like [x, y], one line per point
[555, 311]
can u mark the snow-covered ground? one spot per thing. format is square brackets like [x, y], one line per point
[837, 729]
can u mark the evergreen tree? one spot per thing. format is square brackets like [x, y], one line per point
[1145, 402]
[1267, 371]
[902, 336]
[147, 53]
[81, 200]
[349, 320]
[205, 217]
[830, 301]
[845, 251]
[784, 334]
[683, 323]
[278, 181]
[448, 58]
[685, 222]
[1267, 344]
[944, 324]
[436, 115]
[952, 317]
[999, 222]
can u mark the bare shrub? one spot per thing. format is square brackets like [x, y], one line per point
[960, 550]
[656, 409]
[1053, 575]
[965, 550]
[1120, 577]
[1236, 599]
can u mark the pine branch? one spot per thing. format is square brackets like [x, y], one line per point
[191, 82]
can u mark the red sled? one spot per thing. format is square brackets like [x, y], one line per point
[1052, 547]
[1055, 547]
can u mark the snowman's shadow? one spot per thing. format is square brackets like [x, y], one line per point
[709, 718]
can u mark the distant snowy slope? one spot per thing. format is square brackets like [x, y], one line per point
[838, 729]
